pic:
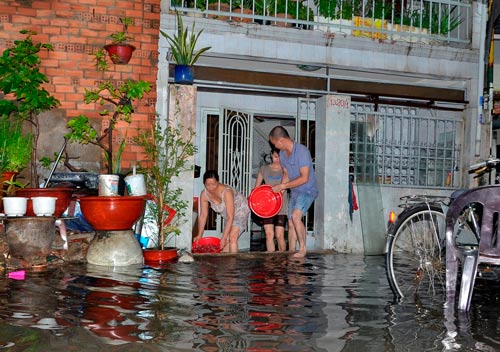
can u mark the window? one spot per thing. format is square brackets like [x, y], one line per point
[403, 146]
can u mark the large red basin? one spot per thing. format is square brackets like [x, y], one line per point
[112, 213]
[63, 196]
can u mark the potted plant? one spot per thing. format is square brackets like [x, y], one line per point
[25, 98]
[15, 148]
[219, 6]
[8, 188]
[183, 47]
[168, 150]
[122, 98]
[242, 7]
[21, 83]
[119, 50]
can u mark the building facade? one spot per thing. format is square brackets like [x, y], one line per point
[395, 110]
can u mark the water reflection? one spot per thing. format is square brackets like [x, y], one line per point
[237, 303]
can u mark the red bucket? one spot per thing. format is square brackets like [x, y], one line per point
[207, 245]
[264, 202]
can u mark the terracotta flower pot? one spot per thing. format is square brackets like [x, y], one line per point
[112, 213]
[158, 256]
[63, 196]
[120, 54]
[7, 176]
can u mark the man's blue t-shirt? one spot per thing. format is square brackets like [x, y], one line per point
[300, 157]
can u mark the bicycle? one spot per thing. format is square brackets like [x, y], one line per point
[415, 245]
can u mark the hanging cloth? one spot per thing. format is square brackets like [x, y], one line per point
[353, 204]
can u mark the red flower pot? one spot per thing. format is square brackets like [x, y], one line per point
[112, 213]
[120, 54]
[158, 256]
[7, 176]
[63, 196]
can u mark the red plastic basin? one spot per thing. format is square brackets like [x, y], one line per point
[264, 202]
[207, 245]
[112, 213]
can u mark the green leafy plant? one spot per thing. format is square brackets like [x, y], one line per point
[122, 36]
[183, 43]
[243, 4]
[15, 146]
[21, 82]
[435, 18]
[12, 186]
[122, 98]
[168, 150]
[327, 8]
[379, 9]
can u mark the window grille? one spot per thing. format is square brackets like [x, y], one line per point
[403, 146]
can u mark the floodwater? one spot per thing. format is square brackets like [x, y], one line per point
[247, 302]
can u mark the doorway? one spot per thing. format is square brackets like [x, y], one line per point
[230, 135]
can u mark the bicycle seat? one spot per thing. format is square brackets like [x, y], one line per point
[457, 193]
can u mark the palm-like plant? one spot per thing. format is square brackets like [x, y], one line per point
[183, 44]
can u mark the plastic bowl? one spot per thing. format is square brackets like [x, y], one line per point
[207, 245]
[264, 202]
[112, 213]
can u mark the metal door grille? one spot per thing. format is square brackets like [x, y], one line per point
[236, 141]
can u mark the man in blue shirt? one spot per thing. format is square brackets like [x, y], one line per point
[299, 177]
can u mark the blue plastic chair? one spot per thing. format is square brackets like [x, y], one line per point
[469, 257]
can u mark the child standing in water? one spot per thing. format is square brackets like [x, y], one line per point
[272, 174]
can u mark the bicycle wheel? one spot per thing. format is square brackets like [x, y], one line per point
[415, 259]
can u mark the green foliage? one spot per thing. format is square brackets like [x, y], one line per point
[168, 151]
[379, 9]
[21, 83]
[15, 146]
[244, 4]
[183, 44]
[100, 60]
[436, 18]
[122, 36]
[439, 19]
[12, 186]
[335, 9]
[327, 8]
[122, 97]
[117, 158]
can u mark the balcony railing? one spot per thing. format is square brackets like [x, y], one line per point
[428, 21]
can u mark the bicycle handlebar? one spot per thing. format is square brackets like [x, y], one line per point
[483, 166]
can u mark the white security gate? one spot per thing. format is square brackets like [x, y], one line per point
[235, 149]
[235, 155]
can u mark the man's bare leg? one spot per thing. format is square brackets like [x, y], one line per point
[292, 237]
[300, 232]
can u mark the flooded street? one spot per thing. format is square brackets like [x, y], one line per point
[249, 302]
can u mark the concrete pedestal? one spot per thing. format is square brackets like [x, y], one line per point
[114, 248]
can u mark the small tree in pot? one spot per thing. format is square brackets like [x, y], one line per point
[21, 83]
[122, 98]
[168, 150]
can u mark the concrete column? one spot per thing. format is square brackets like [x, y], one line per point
[334, 228]
[182, 112]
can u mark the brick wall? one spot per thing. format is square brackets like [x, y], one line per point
[76, 29]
